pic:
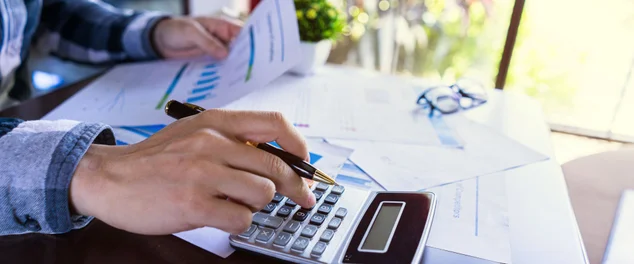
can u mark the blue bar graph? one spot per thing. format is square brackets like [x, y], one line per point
[210, 66]
[206, 81]
[199, 98]
[207, 74]
[203, 89]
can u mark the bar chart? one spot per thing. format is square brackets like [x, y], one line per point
[203, 88]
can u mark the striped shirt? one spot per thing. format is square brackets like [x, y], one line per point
[38, 158]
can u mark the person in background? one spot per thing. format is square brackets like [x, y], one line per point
[56, 176]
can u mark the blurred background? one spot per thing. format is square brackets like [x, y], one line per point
[575, 56]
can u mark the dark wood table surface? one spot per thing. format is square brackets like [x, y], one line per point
[98, 242]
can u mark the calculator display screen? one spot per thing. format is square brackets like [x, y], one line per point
[382, 229]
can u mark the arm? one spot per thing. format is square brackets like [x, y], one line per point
[95, 32]
[38, 161]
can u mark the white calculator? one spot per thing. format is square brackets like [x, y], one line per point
[347, 225]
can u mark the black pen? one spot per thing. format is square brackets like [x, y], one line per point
[304, 169]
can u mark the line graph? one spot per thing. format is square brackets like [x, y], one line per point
[171, 87]
[119, 100]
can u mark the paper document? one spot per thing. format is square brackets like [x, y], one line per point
[344, 104]
[351, 175]
[621, 242]
[400, 167]
[472, 218]
[135, 94]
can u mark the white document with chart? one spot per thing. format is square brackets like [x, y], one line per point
[406, 167]
[472, 218]
[342, 104]
[135, 94]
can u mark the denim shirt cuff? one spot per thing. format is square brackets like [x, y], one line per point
[39, 159]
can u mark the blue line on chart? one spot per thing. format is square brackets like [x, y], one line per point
[206, 74]
[121, 143]
[477, 201]
[150, 128]
[137, 131]
[351, 167]
[444, 132]
[351, 179]
[203, 89]
[198, 98]
[118, 99]
[205, 81]
[210, 66]
[279, 17]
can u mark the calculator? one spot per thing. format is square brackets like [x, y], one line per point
[347, 225]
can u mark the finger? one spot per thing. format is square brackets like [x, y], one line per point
[220, 213]
[260, 127]
[226, 30]
[243, 187]
[262, 163]
[206, 42]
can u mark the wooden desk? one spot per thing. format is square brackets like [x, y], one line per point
[595, 184]
[98, 242]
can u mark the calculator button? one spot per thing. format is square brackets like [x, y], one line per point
[308, 208]
[300, 215]
[317, 219]
[269, 208]
[284, 211]
[267, 220]
[265, 235]
[318, 195]
[249, 232]
[322, 186]
[331, 198]
[282, 239]
[334, 223]
[292, 226]
[300, 244]
[324, 209]
[337, 189]
[290, 202]
[309, 230]
[327, 235]
[341, 212]
[319, 249]
[277, 198]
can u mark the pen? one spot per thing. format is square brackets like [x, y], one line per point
[304, 169]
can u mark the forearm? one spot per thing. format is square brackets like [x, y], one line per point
[94, 32]
[38, 161]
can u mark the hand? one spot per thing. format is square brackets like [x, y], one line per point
[190, 37]
[196, 172]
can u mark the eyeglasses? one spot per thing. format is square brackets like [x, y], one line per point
[464, 94]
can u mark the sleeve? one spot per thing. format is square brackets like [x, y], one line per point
[95, 32]
[38, 161]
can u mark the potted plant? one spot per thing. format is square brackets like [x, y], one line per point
[320, 23]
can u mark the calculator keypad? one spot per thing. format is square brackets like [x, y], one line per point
[267, 220]
[301, 215]
[265, 235]
[309, 231]
[282, 239]
[284, 227]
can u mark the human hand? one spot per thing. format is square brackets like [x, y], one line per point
[189, 37]
[196, 172]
